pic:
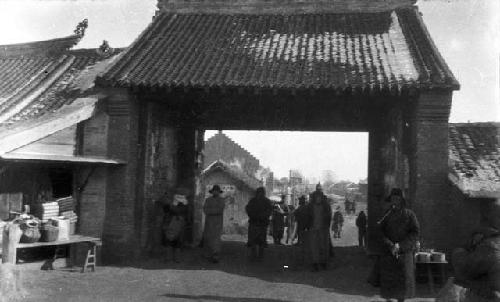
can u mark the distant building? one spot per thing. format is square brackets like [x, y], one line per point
[221, 147]
[238, 189]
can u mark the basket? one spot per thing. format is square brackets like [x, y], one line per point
[49, 233]
[31, 232]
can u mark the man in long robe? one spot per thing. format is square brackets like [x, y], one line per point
[214, 210]
[318, 234]
[258, 210]
[400, 229]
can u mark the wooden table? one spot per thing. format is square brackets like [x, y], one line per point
[441, 266]
[10, 254]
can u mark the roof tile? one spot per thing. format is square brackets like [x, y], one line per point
[474, 155]
[315, 50]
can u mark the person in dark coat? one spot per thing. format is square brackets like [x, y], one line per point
[301, 216]
[175, 209]
[338, 222]
[280, 210]
[258, 210]
[361, 223]
[319, 217]
[400, 230]
[477, 265]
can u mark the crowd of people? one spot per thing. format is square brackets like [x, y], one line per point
[476, 264]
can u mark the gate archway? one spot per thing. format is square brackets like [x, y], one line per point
[310, 66]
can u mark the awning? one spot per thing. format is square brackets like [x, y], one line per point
[19, 157]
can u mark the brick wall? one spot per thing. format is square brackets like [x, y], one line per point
[120, 227]
[160, 175]
[429, 192]
[464, 216]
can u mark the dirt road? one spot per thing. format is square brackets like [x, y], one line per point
[234, 279]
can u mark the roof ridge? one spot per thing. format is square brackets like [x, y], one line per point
[281, 6]
[56, 45]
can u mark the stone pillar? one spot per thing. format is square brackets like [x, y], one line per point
[186, 175]
[385, 166]
[429, 167]
[160, 173]
[199, 197]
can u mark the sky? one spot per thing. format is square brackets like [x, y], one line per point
[466, 32]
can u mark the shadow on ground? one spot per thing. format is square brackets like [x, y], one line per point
[220, 298]
[346, 274]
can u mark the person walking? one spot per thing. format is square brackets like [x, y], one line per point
[361, 223]
[278, 220]
[214, 210]
[400, 230]
[319, 218]
[258, 210]
[338, 222]
[174, 222]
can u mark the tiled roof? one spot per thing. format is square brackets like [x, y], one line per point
[32, 83]
[474, 158]
[234, 172]
[343, 51]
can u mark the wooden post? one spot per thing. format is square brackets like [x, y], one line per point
[11, 235]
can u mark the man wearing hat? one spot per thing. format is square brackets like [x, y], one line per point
[214, 210]
[400, 230]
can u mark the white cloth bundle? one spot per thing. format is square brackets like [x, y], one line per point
[179, 199]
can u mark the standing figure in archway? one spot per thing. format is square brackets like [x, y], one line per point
[278, 220]
[338, 222]
[400, 229]
[214, 210]
[258, 210]
[320, 215]
[361, 223]
[174, 222]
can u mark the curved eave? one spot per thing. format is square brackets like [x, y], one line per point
[39, 47]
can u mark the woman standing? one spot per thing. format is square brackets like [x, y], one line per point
[214, 210]
[400, 229]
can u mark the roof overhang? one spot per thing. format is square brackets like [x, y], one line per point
[43, 158]
[476, 189]
[23, 134]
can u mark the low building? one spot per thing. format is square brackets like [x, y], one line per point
[474, 161]
[238, 188]
[53, 129]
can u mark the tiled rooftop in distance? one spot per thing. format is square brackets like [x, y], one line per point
[474, 158]
[382, 50]
[234, 172]
[40, 77]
